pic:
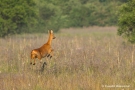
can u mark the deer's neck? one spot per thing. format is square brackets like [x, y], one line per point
[49, 40]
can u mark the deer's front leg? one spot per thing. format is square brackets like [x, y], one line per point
[50, 53]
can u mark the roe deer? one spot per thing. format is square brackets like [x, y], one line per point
[44, 50]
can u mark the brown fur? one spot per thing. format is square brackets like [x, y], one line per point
[44, 50]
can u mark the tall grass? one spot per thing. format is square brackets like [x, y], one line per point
[84, 59]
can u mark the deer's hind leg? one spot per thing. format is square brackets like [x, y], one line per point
[38, 55]
[34, 55]
[33, 59]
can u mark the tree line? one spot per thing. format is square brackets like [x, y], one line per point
[31, 16]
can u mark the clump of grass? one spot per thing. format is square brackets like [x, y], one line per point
[85, 59]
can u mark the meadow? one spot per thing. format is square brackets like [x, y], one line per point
[93, 58]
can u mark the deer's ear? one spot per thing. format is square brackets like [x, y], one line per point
[51, 31]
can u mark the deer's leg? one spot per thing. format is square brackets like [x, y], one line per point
[31, 61]
[34, 62]
[51, 53]
[33, 56]
[39, 57]
[48, 55]
[34, 59]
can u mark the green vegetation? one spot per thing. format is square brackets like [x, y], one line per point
[127, 21]
[29, 16]
[16, 16]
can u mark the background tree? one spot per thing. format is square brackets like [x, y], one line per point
[38, 16]
[16, 16]
[127, 21]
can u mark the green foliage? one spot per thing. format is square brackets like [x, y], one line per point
[31, 16]
[76, 13]
[124, 0]
[127, 21]
[16, 15]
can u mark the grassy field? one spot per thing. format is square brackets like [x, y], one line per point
[93, 58]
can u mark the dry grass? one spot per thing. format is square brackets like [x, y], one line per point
[93, 58]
